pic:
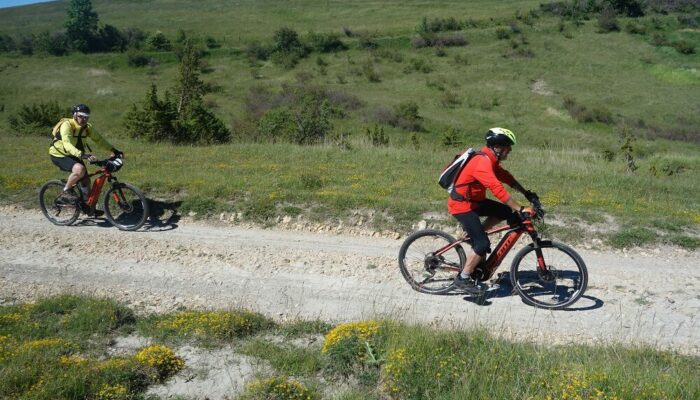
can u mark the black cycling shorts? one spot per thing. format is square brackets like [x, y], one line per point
[66, 163]
[472, 224]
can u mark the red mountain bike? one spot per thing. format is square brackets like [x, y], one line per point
[124, 204]
[545, 273]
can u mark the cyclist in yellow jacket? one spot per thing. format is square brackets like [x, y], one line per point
[68, 149]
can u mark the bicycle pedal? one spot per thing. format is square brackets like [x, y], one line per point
[493, 287]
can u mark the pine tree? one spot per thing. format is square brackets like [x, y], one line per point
[82, 25]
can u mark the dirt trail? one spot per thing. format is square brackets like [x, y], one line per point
[650, 297]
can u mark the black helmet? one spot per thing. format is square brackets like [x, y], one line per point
[500, 136]
[81, 108]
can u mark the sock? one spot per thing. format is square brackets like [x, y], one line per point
[66, 188]
[463, 275]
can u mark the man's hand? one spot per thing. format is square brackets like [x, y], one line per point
[117, 153]
[89, 157]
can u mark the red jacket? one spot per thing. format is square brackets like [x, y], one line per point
[482, 172]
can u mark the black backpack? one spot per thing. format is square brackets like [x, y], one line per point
[451, 172]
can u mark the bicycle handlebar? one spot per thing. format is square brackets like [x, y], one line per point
[539, 211]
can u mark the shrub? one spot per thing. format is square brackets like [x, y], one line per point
[439, 25]
[377, 137]
[684, 46]
[431, 40]
[450, 99]
[583, 114]
[36, 118]
[278, 388]
[217, 325]
[408, 116]
[7, 43]
[162, 359]
[307, 122]
[418, 65]
[111, 39]
[326, 43]
[607, 21]
[212, 43]
[256, 51]
[369, 72]
[157, 41]
[286, 40]
[352, 344]
[453, 138]
[134, 37]
[367, 42]
[137, 59]
[635, 28]
[182, 118]
[55, 44]
[502, 33]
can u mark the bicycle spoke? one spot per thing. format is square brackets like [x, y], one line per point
[52, 206]
[125, 206]
[422, 268]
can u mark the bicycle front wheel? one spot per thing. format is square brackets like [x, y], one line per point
[55, 210]
[562, 283]
[425, 271]
[125, 206]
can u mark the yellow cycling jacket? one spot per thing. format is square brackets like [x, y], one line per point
[69, 139]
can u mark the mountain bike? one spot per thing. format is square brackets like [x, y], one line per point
[545, 273]
[124, 204]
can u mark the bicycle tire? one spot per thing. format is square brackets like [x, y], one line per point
[125, 206]
[54, 211]
[425, 272]
[565, 285]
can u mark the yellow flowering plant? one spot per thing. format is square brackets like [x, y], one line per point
[278, 388]
[164, 360]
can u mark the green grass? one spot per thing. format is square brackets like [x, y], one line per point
[45, 354]
[645, 88]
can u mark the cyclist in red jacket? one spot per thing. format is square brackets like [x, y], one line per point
[483, 172]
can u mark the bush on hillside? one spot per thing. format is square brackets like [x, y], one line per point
[157, 41]
[325, 43]
[300, 113]
[36, 118]
[181, 118]
[55, 44]
[429, 39]
[584, 114]
[439, 25]
[684, 46]
[7, 43]
[111, 39]
[306, 123]
[607, 21]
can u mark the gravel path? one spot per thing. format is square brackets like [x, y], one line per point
[645, 296]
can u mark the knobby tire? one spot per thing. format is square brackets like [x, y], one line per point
[54, 211]
[129, 210]
[424, 271]
[561, 287]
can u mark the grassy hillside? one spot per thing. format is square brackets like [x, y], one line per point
[570, 93]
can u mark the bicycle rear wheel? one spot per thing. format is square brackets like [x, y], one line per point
[560, 286]
[125, 206]
[425, 271]
[59, 213]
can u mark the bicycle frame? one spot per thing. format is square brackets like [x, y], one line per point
[514, 232]
[97, 185]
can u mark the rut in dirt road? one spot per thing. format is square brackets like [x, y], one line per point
[291, 274]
